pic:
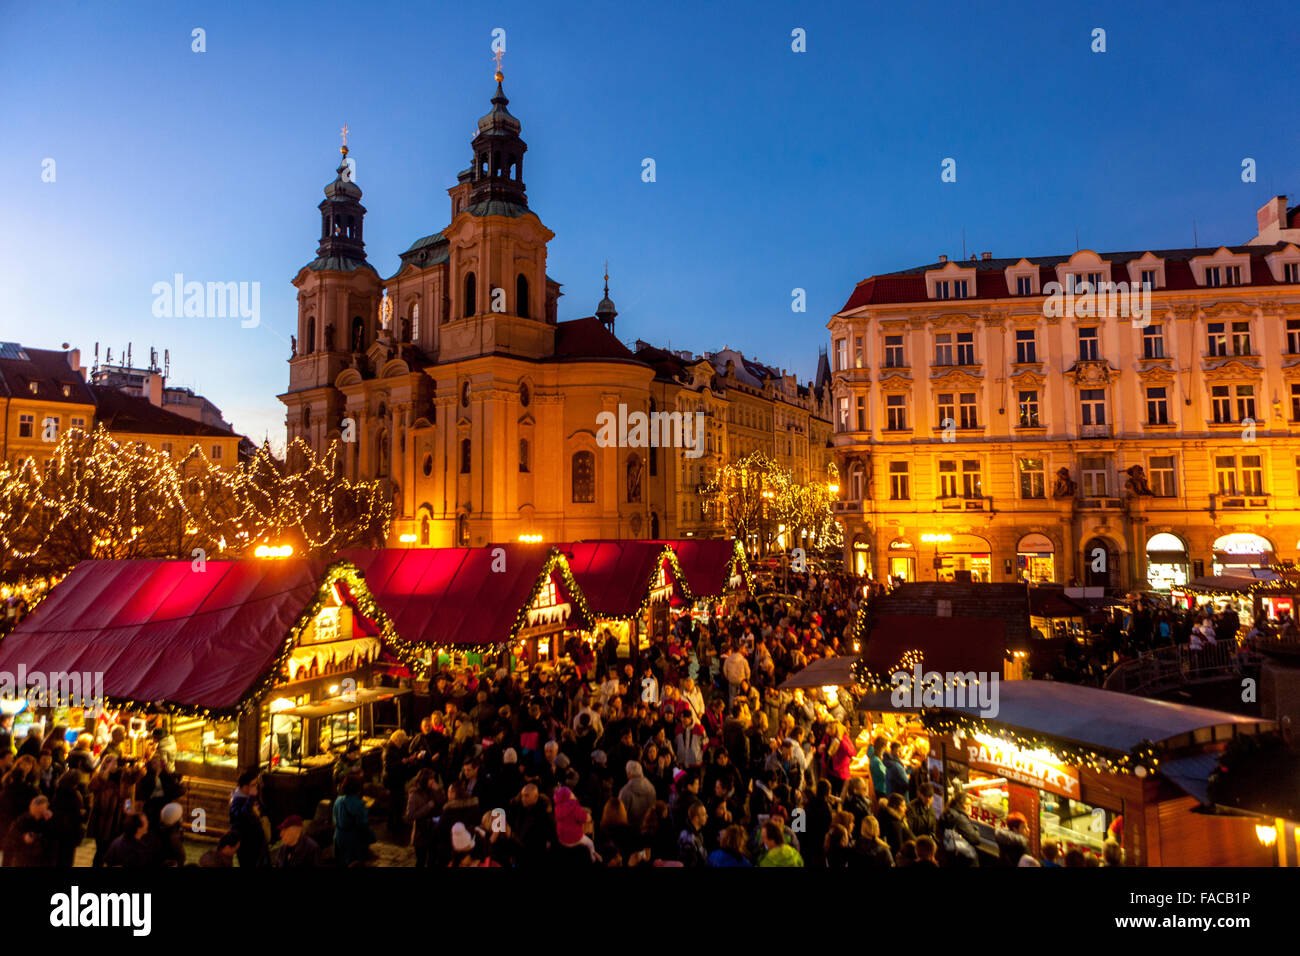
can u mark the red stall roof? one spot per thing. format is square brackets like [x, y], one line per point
[162, 633]
[707, 562]
[615, 576]
[462, 597]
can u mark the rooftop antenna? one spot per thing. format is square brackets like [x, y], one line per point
[128, 354]
[108, 356]
[1076, 238]
[167, 363]
[1196, 242]
[153, 359]
[96, 356]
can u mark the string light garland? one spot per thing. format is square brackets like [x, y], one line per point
[98, 498]
[741, 490]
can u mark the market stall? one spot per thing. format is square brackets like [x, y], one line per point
[1264, 594]
[716, 573]
[510, 605]
[630, 587]
[214, 656]
[1083, 764]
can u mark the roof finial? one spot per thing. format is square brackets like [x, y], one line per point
[497, 56]
[344, 148]
[607, 278]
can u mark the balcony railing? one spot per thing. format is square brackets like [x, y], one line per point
[1094, 431]
[963, 504]
[849, 507]
[1100, 504]
[1239, 502]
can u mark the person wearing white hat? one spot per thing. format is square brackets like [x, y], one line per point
[169, 839]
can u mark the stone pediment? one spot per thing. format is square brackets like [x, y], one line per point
[953, 376]
[895, 377]
[1231, 368]
[965, 321]
[1090, 372]
[1233, 308]
[1030, 375]
[1156, 372]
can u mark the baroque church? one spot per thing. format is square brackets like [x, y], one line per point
[452, 381]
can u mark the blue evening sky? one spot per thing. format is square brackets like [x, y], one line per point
[775, 169]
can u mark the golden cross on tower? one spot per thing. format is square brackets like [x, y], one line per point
[344, 148]
[497, 56]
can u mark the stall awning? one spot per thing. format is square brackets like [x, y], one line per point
[822, 672]
[1102, 718]
[460, 597]
[341, 705]
[617, 576]
[710, 564]
[1192, 774]
[162, 633]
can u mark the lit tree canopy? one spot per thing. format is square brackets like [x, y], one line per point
[99, 498]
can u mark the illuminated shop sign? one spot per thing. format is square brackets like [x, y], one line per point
[1032, 768]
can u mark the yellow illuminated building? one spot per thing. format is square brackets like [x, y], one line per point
[1125, 419]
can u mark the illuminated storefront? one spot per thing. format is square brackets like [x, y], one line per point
[1238, 553]
[960, 557]
[1035, 559]
[902, 560]
[1167, 562]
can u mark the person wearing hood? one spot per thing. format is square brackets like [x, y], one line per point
[573, 846]
[638, 794]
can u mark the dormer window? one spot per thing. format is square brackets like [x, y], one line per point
[33, 387]
[1024, 285]
[1223, 268]
[1216, 276]
[950, 289]
[1076, 281]
[1291, 272]
[1023, 277]
[1148, 279]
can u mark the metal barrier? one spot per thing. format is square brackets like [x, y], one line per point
[1166, 667]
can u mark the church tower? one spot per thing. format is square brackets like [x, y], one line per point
[500, 300]
[339, 294]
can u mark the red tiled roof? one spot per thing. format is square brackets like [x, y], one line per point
[588, 339]
[20, 366]
[122, 412]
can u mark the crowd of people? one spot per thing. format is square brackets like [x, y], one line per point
[686, 753]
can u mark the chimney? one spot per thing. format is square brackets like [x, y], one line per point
[942, 260]
[986, 256]
[1271, 222]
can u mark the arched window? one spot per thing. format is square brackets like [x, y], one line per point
[424, 530]
[466, 456]
[310, 344]
[471, 294]
[462, 531]
[654, 526]
[855, 482]
[415, 322]
[584, 477]
[521, 296]
[524, 466]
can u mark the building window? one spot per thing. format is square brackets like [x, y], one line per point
[965, 348]
[1026, 346]
[1295, 401]
[943, 348]
[1293, 336]
[1088, 350]
[841, 354]
[1221, 403]
[216, 453]
[584, 477]
[1245, 402]
[1092, 403]
[26, 426]
[466, 456]
[1033, 481]
[1093, 469]
[857, 352]
[1153, 342]
[471, 294]
[1157, 406]
[1148, 278]
[861, 405]
[79, 423]
[415, 322]
[1028, 402]
[634, 479]
[896, 413]
[1217, 339]
[972, 486]
[844, 413]
[966, 408]
[167, 448]
[524, 466]
[1161, 476]
[947, 479]
[1241, 338]
[1225, 474]
[855, 482]
[947, 410]
[1291, 272]
[462, 531]
[898, 481]
[521, 296]
[424, 530]
[1024, 285]
[894, 351]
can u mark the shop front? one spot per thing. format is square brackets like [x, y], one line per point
[715, 571]
[966, 558]
[861, 557]
[1036, 559]
[1168, 565]
[902, 561]
[1241, 553]
[1084, 765]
